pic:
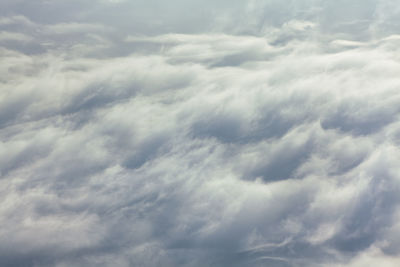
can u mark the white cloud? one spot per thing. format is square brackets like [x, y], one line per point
[267, 142]
[12, 36]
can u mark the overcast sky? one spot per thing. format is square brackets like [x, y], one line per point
[146, 133]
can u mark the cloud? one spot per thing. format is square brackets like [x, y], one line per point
[236, 134]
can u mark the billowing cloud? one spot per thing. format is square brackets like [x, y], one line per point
[147, 133]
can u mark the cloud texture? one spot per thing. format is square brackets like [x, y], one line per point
[188, 133]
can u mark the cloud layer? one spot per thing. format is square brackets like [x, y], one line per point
[147, 133]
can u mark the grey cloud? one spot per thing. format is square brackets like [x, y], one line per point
[351, 18]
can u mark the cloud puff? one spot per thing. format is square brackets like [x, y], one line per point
[249, 134]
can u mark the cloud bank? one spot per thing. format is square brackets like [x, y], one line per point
[180, 133]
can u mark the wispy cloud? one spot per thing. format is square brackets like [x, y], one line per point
[178, 134]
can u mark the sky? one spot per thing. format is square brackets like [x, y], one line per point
[199, 133]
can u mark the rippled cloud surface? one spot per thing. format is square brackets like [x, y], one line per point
[199, 133]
